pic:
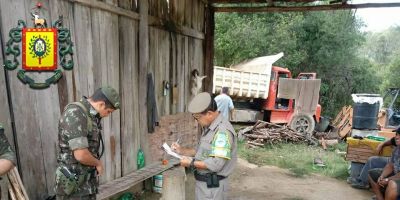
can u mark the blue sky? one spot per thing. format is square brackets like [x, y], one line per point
[378, 19]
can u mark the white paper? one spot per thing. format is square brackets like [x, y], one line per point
[170, 152]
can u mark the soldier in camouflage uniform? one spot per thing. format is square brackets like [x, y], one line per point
[79, 137]
[215, 157]
[7, 155]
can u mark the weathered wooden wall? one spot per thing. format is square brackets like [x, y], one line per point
[107, 50]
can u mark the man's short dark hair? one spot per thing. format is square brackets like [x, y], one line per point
[99, 96]
[225, 90]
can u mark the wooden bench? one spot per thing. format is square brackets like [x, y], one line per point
[118, 185]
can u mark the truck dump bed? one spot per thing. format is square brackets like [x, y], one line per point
[240, 83]
[249, 79]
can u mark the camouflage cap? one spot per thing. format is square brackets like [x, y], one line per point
[112, 96]
[199, 103]
[1, 126]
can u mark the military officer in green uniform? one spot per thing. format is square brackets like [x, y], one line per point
[7, 155]
[215, 156]
[79, 141]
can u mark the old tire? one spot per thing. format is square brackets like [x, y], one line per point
[302, 123]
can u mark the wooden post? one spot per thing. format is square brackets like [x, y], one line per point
[209, 47]
[174, 184]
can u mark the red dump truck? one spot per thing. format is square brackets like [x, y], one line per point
[253, 86]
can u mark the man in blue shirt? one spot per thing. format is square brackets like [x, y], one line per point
[224, 103]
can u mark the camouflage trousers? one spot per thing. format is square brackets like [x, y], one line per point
[88, 197]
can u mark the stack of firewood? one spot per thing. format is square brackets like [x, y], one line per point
[16, 188]
[269, 133]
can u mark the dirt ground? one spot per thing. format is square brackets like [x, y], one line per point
[250, 182]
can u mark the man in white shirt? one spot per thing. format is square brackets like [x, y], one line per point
[224, 103]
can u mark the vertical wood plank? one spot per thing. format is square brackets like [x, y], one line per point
[188, 11]
[174, 72]
[130, 134]
[166, 75]
[5, 118]
[209, 46]
[181, 11]
[108, 44]
[173, 8]
[201, 18]
[156, 66]
[84, 51]
[126, 4]
[186, 71]
[114, 81]
[180, 74]
[195, 11]
[112, 2]
[143, 67]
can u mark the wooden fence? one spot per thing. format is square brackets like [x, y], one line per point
[115, 43]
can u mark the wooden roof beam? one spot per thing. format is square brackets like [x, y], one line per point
[305, 8]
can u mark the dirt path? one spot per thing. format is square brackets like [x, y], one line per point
[250, 182]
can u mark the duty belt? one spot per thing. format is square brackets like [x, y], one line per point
[205, 177]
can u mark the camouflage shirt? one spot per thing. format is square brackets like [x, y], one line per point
[74, 133]
[5, 149]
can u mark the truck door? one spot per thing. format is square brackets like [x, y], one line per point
[280, 103]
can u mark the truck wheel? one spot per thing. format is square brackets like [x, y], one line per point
[302, 123]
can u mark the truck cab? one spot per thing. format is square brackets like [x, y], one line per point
[279, 110]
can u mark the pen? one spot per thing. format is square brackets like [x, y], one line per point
[177, 141]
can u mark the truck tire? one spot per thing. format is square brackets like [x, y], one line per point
[302, 123]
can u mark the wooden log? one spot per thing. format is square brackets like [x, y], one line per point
[255, 143]
[12, 195]
[174, 181]
[16, 173]
[16, 187]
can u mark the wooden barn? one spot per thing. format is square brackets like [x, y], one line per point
[118, 43]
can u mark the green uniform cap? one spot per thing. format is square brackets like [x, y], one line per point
[199, 103]
[1, 126]
[112, 96]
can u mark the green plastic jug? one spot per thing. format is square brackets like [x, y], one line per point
[140, 159]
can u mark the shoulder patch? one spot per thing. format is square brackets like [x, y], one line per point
[221, 146]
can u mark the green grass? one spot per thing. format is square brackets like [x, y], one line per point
[298, 158]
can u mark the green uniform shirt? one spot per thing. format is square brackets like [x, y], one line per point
[6, 151]
[74, 133]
